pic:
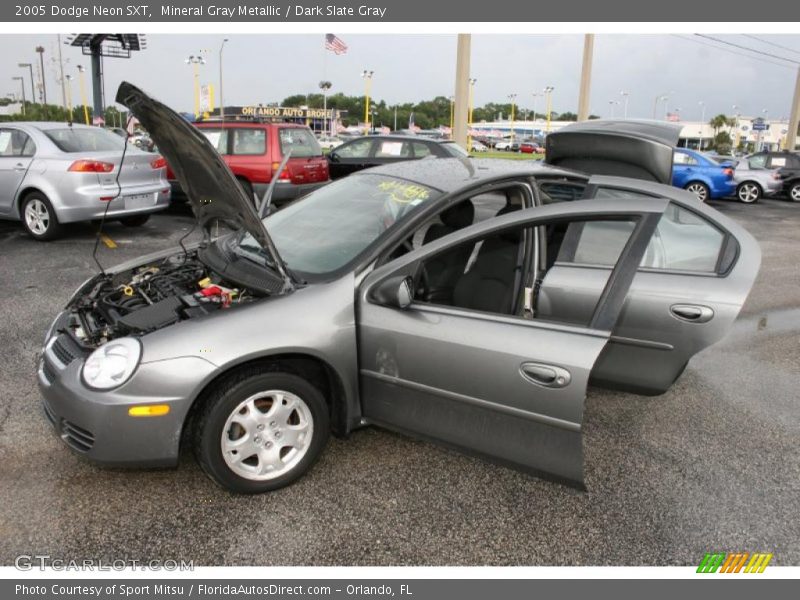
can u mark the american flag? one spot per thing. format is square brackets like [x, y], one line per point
[334, 44]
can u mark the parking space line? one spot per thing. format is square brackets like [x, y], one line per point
[108, 241]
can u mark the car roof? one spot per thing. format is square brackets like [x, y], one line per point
[45, 125]
[453, 174]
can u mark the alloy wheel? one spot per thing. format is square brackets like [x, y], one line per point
[794, 193]
[37, 217]
[699, 190]
[267, 435]
[749, 192]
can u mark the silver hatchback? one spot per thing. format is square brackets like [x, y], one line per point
[56, 173]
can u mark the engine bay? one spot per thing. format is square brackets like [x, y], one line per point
[150, 297]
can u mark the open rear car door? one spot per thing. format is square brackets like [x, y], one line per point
[486, 375]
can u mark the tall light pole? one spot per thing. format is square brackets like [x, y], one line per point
[663, 97]
[548, 94]
[472, 82]
[625, 95]
[221, 98]
[40, 52]
[84, 100]
[367, 75]
[586, 77]
[612, 103]
[535, 95]
[68, 83]
[22, 85]
[702, 123]
[30, 69]
[195, 61]
[452, 112]
[513, 98]
[325, 86]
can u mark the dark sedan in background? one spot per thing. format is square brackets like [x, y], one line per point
[375, 150]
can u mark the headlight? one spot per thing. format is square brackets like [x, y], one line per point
[112, 364]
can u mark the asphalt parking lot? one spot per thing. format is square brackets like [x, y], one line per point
[713, 465]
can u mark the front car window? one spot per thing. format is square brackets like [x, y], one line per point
[333, 225]
[84, 139]
[300, 141]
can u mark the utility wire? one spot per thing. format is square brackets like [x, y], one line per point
[763, 41]
[722, 49]
[709, 37]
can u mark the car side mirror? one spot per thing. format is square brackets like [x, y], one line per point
[333, 157]
[395, 291]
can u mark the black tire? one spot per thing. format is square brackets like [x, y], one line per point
[135, 220]
[220, 404]
[248, 188]
[46, 227]
[749, 192]
[699, 189]
[794, 192]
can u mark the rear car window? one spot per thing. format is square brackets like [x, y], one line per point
[89, 139]
[217, 137]
[683, 241]
[300, 141]
[683, 159]
[454, 149]
[249, 141]
[14, 142]
[393, 149]
[421, 150]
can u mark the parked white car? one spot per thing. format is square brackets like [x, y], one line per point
[329, 142]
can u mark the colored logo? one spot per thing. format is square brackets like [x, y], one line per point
[734, 562]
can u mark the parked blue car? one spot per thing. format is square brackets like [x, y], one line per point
[703, 176]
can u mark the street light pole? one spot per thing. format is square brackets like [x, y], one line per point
[195, 61]
[221, 98]
[535, 96]
[625, 96]
[548, 94]
[84, 100]
[40, 51]
[367, 75]
[472, 82]
[513, 98]
[22, 85]
[702, 124]
[325, 86]
[68, 79]
[586, 77]
[30, 69]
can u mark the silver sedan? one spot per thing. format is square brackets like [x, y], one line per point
[56, 173]
[754, 182]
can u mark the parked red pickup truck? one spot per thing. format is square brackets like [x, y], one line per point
[254, 152]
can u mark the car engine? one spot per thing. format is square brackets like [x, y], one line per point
[150, 297]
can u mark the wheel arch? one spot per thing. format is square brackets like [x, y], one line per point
[24, 192]
[317, 371]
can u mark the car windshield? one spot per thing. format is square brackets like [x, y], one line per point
[89, 139]
[330, 227]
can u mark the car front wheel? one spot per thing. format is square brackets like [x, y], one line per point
[698, 189]
[39, 218]
[794, 193]
[261, 431]
[748, 192]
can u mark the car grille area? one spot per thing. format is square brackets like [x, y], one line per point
[66, 350]
[75, 436]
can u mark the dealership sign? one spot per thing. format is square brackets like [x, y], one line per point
[284, 112]
[760, 125]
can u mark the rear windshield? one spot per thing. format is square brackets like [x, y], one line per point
[80, 139]
[300, 141]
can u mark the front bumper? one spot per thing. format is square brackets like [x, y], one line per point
[97, 425]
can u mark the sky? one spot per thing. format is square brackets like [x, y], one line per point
[408, 68]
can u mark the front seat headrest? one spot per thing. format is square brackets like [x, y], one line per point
[459, 216]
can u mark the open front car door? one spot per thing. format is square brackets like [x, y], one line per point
[485, 372]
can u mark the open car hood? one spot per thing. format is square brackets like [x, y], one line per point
[639, 149]
[211, 188]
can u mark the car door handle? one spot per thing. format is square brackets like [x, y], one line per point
[545, 375]
[692, 312]
[19, 167]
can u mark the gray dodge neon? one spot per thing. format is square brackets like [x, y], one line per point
[466, 302]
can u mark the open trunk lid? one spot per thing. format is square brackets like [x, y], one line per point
[639, 149]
